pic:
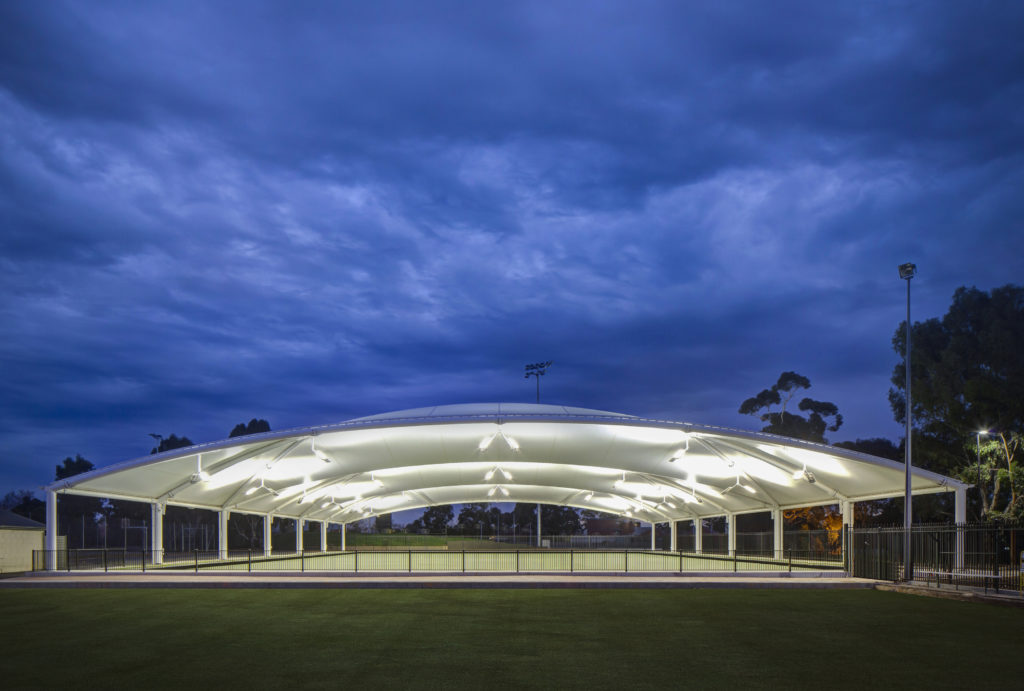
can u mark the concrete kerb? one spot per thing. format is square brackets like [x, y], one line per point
[445, 581]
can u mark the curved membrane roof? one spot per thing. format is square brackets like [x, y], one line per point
[652, 470]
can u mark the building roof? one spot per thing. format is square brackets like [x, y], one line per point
[9, 519]
[652, 470]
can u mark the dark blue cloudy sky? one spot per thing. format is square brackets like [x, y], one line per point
[311, 211]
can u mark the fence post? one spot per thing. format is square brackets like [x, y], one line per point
[791, 561]
[734, 561]
[463, 561]
[68, 557]
[104, 561]
[680, 561]
[517, 561]
[410, 561]
[302, 560]
[355, 560]
[626, 564]
[195, 554]
[143, 561]
[250, 560]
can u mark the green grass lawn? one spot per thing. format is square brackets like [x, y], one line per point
[593, 639]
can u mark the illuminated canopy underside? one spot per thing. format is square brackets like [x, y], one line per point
[653, 470]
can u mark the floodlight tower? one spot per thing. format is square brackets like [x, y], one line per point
[907, 272]
[537, 370]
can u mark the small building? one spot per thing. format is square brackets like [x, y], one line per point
[19, 536]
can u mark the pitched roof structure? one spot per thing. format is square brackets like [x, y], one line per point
[9, 519]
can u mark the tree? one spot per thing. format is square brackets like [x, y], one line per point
[382, 523]
[436, 518]
[560, 520]
[24, 503]
[967, 375]
[171, 442]
[782, 422]
[474, 517]
[73, 467]
[254, 427]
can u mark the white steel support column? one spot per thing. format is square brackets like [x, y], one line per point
[673, 544]
[777, 536]
[268, 522]
[343, 526]
[222, 533]
[156, 532]
[323, 536]
[654, 527]
[51, 530]
[698, 535]
[299, 525]
[960, 517]
[731, 525]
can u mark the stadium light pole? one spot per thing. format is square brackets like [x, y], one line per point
[907, 272]
[537, 370]
[981, 490]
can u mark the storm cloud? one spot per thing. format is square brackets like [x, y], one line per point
[313, 211]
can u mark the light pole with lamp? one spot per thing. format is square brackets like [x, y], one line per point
[981, 489]
[907, 272]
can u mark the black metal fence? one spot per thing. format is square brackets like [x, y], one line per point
[434, 560]
[983, 555]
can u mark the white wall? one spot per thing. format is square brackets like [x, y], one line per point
[16, 545]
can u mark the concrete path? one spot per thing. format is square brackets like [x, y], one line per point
[268, 580]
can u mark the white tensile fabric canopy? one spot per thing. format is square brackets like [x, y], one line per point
[651, 470]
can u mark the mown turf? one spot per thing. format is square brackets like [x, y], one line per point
[557, 639]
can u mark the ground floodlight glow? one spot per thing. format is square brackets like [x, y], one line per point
[590, 495]
[503, 491]
[251, 491]
[486, 442]
[491, 491]
[489, 474]
[512, 443]
[798, 473]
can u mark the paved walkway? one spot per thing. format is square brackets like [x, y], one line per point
[265, 580]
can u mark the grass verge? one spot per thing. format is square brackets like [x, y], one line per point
[592, 639]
